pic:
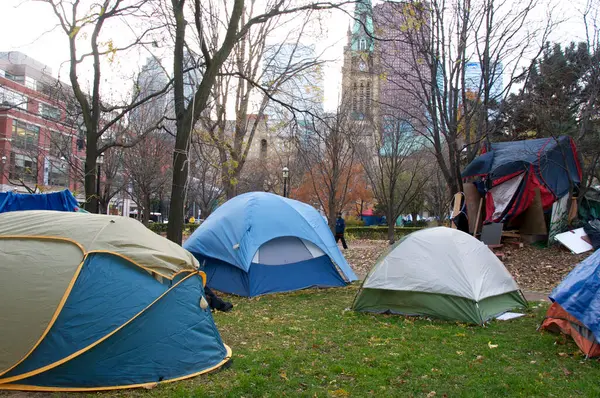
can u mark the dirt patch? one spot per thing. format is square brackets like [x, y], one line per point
[362, 255]
[540, 269]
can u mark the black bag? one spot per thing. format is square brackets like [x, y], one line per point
[592, 230]
[215, 302]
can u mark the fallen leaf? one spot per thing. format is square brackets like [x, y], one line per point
[339, 393]
[532, 362]
[283, 376]
[460, 352]
[431, 394]
[563, 354]
[492, 345]
[567, 372]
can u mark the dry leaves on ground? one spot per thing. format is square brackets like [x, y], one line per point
[362, 254]
[540, 269]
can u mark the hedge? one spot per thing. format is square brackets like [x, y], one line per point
[371, 233]
[378, 233]
[162, 228]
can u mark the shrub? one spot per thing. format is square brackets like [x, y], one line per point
[354, 222]
[162, 228]
[378, 233]
[418, 223]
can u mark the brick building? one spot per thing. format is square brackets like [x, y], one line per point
[39, 146]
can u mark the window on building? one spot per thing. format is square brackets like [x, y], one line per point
[25, 136]
[49, 112]
[362, 44]
[12, 99]
[354, 97]
[23, 168]
[368, 98]
[58, 174]
[263, 149]
[361, 98]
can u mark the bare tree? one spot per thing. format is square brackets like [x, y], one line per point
[228, 18]
[112, 176]
[327, 149]
[394, 165]
[205, 186]
[461, 59]
[104, 124]
[146, 167]
[256, 75]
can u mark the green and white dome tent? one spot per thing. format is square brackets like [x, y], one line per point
[442, 273]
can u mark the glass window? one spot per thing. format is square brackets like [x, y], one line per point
[24, 135]
[23, 168]
[9, 98]
[58, 174]
[49, 112]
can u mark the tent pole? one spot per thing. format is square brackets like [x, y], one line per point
[477, 219]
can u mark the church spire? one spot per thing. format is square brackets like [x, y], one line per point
[362, 30]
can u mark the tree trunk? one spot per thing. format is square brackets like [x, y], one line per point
[414, 217]
[391, 228]
[146, 210]
[331, 215]
[175, 226]
[91, 197]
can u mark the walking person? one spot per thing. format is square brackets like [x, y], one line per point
[340, 228]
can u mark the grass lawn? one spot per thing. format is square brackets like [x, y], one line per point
[306, 344]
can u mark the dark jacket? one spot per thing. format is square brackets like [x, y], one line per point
[340, 225]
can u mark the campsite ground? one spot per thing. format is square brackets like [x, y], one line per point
[308, 343]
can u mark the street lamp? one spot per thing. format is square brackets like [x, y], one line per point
[99, 161]
[286, 174]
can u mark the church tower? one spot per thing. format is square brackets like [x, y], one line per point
[360, 84]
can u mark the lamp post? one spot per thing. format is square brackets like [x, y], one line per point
[2, 173]
[99, 161]
[286, 174]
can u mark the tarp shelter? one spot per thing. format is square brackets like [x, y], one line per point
[575, 308]
[511, 171]
[95, 302]
[442, 273]
[590, 204]
[259, 243]
[370, 218]
[59, 201]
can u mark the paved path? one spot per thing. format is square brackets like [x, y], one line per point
[536, 296]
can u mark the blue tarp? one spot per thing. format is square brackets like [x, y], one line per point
[579, 293]
[237, 229]
[57, 201]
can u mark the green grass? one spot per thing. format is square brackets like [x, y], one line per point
[307, 344]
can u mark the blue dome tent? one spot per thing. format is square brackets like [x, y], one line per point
[96, 302]
[259, 243]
